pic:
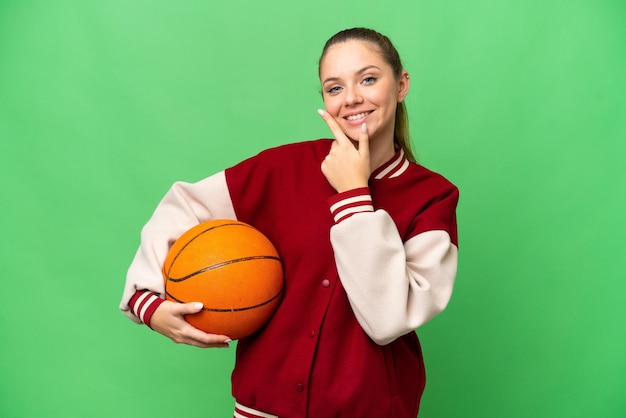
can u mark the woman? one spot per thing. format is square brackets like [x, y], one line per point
[368, 241]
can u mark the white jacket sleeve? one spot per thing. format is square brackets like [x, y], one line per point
[393, 287]
[184, 206]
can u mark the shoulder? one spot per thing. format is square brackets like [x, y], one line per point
[292, 156]
[303, 148]
[434, 181]
[429, 202]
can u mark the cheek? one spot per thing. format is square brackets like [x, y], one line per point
[384, 93]
[384, 98]
[332, 105]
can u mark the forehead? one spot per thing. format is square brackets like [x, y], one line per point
[350, 56]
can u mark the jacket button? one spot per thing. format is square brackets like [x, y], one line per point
[325, 282]
[311, 333]
[299, 387]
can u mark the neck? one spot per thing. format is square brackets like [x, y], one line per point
[380, 153]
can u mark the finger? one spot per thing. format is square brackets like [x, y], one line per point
[199, 338]
[188, 334]
[190, 308]
[193, 308]
[334, 127]
[182, 309]
[364, 141]
[192, 335]
[201, 344]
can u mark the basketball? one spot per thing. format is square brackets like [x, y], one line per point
[233, 269]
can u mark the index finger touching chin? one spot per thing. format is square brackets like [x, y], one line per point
[333, 125]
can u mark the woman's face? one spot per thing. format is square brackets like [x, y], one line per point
[358, 86]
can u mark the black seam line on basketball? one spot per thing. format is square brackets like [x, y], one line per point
[247, 308]
[222, 264]
[203, 232]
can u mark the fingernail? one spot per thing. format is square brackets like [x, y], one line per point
[228, 341]
[198, 305]
[364, 128]
[321, 112]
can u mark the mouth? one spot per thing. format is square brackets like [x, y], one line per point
[357, 116]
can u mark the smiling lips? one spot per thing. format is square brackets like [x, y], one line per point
[357, 116]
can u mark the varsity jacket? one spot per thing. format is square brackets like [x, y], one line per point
[363, 269]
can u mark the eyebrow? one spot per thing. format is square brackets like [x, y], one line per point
[361, 71]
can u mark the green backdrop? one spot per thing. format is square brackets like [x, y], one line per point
[103, 104]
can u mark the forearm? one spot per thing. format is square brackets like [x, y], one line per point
[393, 287]
[184, 206]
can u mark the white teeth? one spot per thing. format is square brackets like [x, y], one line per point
[358, 116]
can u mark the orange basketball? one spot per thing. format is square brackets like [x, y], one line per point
[233, 269]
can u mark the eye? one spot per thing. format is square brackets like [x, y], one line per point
[333, 90]
[368, 81]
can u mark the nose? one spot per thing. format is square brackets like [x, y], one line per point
[352, 96]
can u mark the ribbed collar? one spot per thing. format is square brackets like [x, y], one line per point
[392, 168]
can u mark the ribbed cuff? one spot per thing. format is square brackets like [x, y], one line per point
[143, 304]
[345, 204]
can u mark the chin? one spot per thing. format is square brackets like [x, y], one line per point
[352, 137]
[353, 132]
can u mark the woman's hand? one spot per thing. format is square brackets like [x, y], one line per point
[347, 166]
[169, 320]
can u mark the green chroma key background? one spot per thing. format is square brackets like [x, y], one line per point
[104, 104]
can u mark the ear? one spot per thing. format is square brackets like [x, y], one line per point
[403, 86]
